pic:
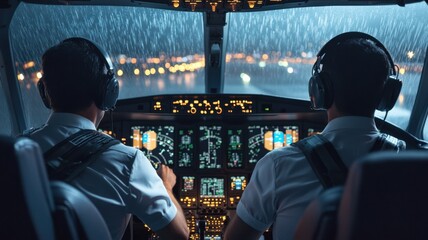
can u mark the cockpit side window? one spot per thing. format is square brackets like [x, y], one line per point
[6, 127]
[425, 133]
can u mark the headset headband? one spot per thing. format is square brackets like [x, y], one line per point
[330, 46]
[99, 50]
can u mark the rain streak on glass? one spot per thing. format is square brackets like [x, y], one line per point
[272, 52]
[153, 51]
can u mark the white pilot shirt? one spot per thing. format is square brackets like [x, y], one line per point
[120, 183]
[283, 183]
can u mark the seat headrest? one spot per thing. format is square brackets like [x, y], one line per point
[77, 217]
[26, 198]
[385, 197]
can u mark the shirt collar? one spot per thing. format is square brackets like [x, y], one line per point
[70, 120]
[351, 122]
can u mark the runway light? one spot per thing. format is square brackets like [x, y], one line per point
[402, 71]
[147, 72]
[290, 70]
[39, 75]
[137, 71]
[262, 64]
[245, 78]
[21, 77]
[152, 70]
[120, 73]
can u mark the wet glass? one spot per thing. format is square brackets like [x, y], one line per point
[6, 127]
[153, 51]
[425, 132]
[272, 52]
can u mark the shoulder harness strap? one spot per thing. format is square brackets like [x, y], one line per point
[324, 160]
[28, 132]
[71, 156]
[388, 142]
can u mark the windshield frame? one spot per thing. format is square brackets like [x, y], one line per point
[14, 100]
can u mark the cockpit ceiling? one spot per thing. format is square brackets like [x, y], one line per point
[222, 6]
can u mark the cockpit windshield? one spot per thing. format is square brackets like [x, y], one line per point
[273, 52]
[157, 51]
[153, 51]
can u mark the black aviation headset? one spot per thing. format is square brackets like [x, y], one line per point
[321, 88]
[108, 87]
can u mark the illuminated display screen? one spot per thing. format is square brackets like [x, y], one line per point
[234, 148]
[185, 148]
[212, 187]
[263, 139]
[211, 106]
[188, 183]
[156, 142]
[209, 147]
[238, 183]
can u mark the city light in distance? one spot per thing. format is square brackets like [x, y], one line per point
[161, 70]
[265, 57]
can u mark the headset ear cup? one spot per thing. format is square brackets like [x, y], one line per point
[328, 90]
[314, 94]
[107, 93]
[390, 93]
[320, 91]
[42, 92]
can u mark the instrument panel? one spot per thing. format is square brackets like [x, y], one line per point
[213, 161]
[213, 143]
[207, 147]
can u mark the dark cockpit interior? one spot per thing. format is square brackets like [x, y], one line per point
[208, 87]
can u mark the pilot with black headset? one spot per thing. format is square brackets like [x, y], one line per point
[79, 85]
[352, 77]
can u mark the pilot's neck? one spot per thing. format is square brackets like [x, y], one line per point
[333, 113]
[93, 113]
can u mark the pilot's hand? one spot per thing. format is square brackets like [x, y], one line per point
[167, 175]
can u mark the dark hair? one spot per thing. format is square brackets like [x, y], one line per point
[358, 70]
[71, 74]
